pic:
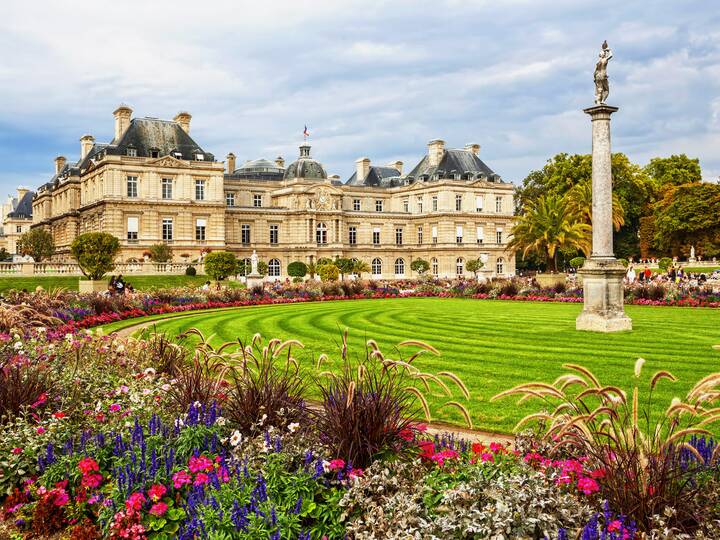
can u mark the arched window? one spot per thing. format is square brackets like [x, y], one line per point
[321, 233]
[499, 266]
[274, 268]
[434, 266]
[376, 267]
[459, 266]
[400, 267]
[246, 267]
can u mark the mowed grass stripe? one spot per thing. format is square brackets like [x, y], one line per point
[491, 345]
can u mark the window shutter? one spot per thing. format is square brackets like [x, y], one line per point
[201, 222]
[132, 224]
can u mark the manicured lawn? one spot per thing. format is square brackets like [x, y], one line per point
[491, 345]
[71, 282]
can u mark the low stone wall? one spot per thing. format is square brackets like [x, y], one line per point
[72, 269]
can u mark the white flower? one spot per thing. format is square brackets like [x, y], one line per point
[120, 348]
[135, 398]
[128, 424]
[16, 336]
[149, 372]
[262, 420]
[146, 392]
[293, 427]
[18, 345]
[98, 406]
[197, 405]
[220, 421]
[179, 423]
[69, 337]
[165, 387]
[326, 466]
[235, 438]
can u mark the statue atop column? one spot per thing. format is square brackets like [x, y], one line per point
[602, 87]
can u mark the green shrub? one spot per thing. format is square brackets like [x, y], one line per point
[624, 262]
[474, 265]
[345, 266]
[577, 262]
[190, 271]
[664, 263]
[329, 272]
[38, 243]
[160, 253]
[220, 264]
[95, 253]
[420, 266]
[297, 269]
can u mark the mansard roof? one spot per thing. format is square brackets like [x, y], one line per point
[455, 162]
[165, 136]
[377, 177]
[23, 209]
[258, 169]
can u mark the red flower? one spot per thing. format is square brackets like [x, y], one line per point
[91, 480]
[59, 415]
[88, 464]
[135, 501]
[158, 509]
[156, 492]
[17, 450]
[337, 464]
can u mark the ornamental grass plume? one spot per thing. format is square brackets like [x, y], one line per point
[650, 464]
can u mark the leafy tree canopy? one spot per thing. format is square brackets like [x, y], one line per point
[674, 170]
[220, 264]
[297, 269]
[95, 253]
[420, 266]
[38, 243]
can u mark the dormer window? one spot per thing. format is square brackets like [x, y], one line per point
[154, 153]
[177, 154]
[199, 157]
[132, 152]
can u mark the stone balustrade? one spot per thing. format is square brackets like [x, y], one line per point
[72, 269]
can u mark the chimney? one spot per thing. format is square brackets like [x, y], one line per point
[436, 147]
[59, 163]
[122, 121]
[230, 163]
[183, 118]
[396, 165]
[473, 147]
[86, 144]
[362, 167]
[280, 162]
[21, 192]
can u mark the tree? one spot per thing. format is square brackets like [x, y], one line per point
[359, 267]
[220, 264]
[474, 266]
[647, 237]
[312, 269]
[579, 199]
[38, 243]
[262, 268]
[420, 266]
[577, 262]
[548, 226]
[95, 253]
[674, 171]
[329, 272]
[297, 269]
[345, 266]
[160, 253]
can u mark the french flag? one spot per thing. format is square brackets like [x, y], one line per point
[306, 133]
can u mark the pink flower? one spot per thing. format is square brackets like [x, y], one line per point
[17, 450]
[200, 479]
[496, 447]
[115, 407]
[181, 478]
[40, 430]
[88, 464]
[614, 526]
[485, 457]
[337, 464]
[158, 509]
[588, 486]
[355, 473]
[42, 398]
[61, 498]
[135, 501]
[156, 492]
[91, 480]
[198, 464]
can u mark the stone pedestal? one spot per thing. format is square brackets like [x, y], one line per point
[603, 296]
[90, 285]
[602, 275]
[254, 280]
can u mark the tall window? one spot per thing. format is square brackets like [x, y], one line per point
[274, 233]
[459, 266]
[352, 235]
[132, 186]
[459, 234]
[434, 266]
[356, 205]
[434, 203]
[200, 225]
[376, 236]
[478, 203]
[229, 199]
[480, 235]
[167, 229]
[499, 266]
[434, 234]
[398, 236]
[321, 233]
[199, 190]
[257, 200]
[406, 205]
[274, 268]
[458, 202]
[376, 267]
[498, 237]
[420, 234]
[399, 267]
[132, 229]
[498, 204]
[166, 188]
[378, 205]
[419, 205]
[245, 233]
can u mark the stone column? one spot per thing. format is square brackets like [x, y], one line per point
[602, 274]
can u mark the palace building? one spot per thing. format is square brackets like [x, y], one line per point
[152, 183]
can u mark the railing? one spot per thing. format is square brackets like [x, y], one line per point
[72, 269]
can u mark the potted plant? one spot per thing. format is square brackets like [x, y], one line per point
[95, 255]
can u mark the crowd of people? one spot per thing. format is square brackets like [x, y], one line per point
[674, 274]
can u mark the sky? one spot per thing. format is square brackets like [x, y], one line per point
[374, 79]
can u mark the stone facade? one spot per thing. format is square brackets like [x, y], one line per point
[152, 183]
[17, 219]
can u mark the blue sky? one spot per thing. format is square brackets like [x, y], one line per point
[375, 79]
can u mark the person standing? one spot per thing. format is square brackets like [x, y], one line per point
[631, 274]
[648, 273]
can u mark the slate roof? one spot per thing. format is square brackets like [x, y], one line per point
[258, 169]
[462, 162]
[24, 207]
[377, 177]
[305, 166]
[165, 136]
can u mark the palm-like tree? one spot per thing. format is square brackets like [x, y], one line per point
[579, 199]
[548, 226]
[359, 267]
